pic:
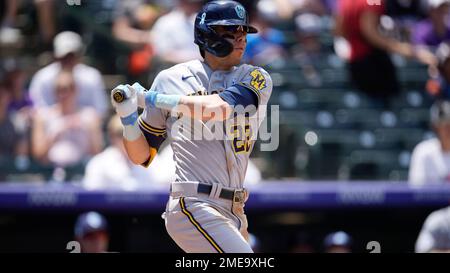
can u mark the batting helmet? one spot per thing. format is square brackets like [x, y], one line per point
[219, 13]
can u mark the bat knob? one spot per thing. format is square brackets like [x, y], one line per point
[119, 95]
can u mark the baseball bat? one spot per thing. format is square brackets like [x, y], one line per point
[119, 95]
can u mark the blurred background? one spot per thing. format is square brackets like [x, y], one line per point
[362, 87]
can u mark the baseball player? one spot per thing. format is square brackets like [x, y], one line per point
[205, 211]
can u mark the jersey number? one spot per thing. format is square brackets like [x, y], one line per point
[241, 144]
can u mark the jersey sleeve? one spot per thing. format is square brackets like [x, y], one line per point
[155, 136]
[258, 81]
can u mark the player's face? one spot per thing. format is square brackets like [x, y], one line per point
[237, 36]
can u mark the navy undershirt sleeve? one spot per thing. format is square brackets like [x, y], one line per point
[239, 95]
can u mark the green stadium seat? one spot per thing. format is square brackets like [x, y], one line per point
[375, 165]
[411, 99]
[414, 117]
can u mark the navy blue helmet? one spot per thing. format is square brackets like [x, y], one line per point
[219, 13]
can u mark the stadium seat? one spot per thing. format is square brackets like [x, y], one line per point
[413, 98]
[375, 165]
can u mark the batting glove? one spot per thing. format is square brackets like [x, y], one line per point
[127, 109]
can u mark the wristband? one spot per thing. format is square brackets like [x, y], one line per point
[161, 101]
[130, 120]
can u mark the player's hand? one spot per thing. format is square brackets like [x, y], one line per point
[140, 93]
[127, 108]
[146, 98]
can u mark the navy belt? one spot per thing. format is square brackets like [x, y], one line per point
[224, 193]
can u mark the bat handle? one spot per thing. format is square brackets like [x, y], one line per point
[119, 95]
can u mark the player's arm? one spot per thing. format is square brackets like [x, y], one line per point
[369, 28]
[220, 106]
[211, 107]
[136, 144]
[138, 150]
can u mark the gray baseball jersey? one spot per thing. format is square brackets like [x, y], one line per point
[207, 159]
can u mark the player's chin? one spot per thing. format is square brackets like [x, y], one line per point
[237, 55]
[238, 52]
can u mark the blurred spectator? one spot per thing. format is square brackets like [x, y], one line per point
[9, 34]
[19, 109]
[266, 46]
[307, 51]
[8, 13]
[15, 78]
[308, 28]
[283, 10]
[172, 33]
[14, 141]
[430, 161]
[8, 134]
[133, 20]
[318, 7]
[406, 8]
[132, 25]
[113, 169]
[435, 233]
[102, 49]
[436, 28]
[66, 134]
[302, 243]
[330, 6]
[370, 66]
[68, 49]
[338, 242]
[46, 19]
[91, 231]
[275, 10]
[439, 86]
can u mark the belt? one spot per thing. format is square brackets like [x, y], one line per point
[224, 193]
[237, 195]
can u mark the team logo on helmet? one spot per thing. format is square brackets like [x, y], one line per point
[240, 11]
[202, 21]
